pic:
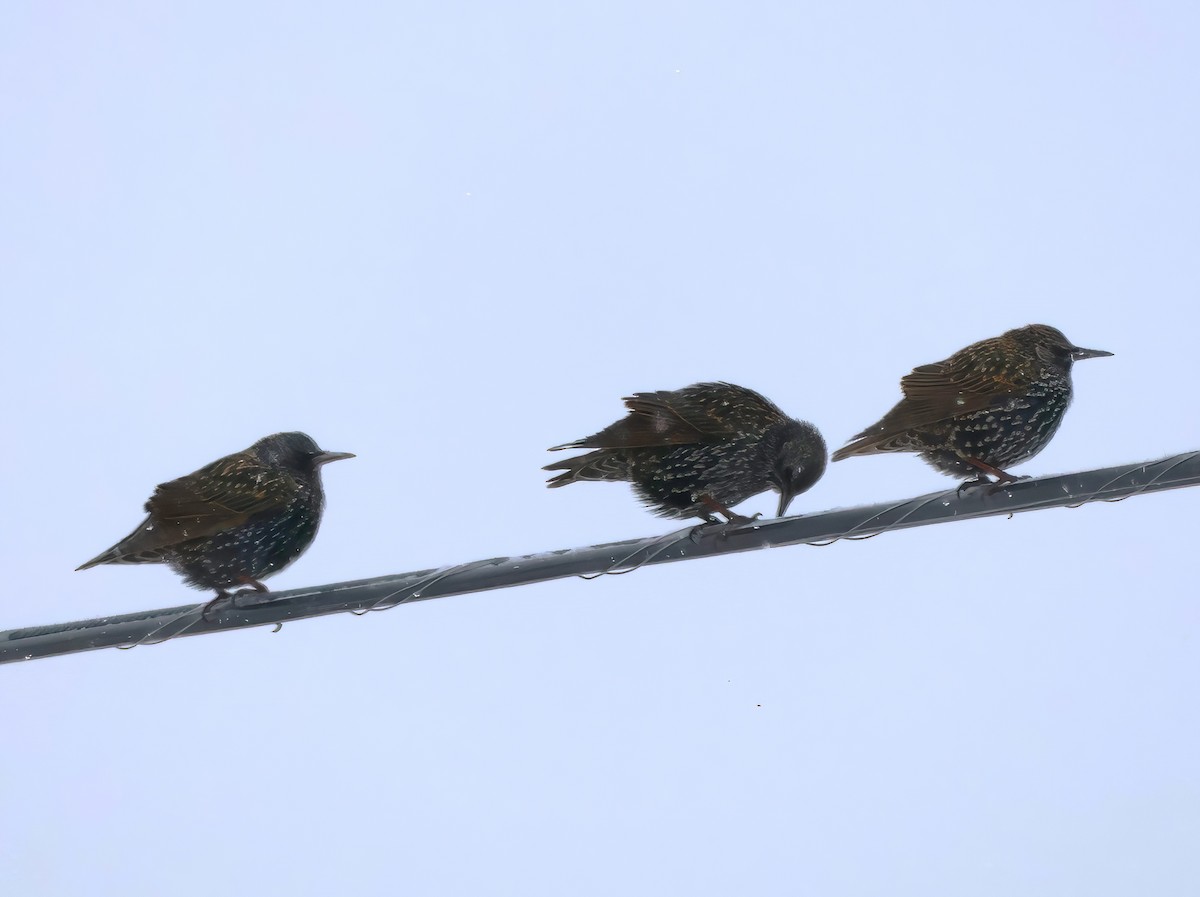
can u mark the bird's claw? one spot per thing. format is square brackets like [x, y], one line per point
[221, 598]
[992, 486]
[973, 483]
[233, 600]
[742, 520]
[262, 596]
[722, 527]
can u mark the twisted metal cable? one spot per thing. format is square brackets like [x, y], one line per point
[381, 593]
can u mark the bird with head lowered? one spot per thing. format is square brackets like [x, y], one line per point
[700, 450]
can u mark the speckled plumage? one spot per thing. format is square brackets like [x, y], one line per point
[987, 407]
[236, 521]
[700, 450]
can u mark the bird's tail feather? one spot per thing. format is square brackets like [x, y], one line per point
[868, 442]
[599, 465]
[121, 554]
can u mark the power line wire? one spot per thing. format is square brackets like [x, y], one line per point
[380, 593]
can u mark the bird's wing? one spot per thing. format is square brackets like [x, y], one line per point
[703, 413]
[224, 494]
[963, 384]
[215, 498]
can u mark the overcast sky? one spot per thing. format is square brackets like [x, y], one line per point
[445, 236]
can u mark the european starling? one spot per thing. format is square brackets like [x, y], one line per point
[236, 521]
[987, 407]
[698, 451]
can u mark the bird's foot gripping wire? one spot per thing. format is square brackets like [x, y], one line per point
[972, 484]
[255, 588]
[742, 520]
[715, 526]
[713, 507]
[1002, 478]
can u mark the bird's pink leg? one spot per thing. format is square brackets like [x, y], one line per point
[718, 508]
[1002, 478]
[222, 595]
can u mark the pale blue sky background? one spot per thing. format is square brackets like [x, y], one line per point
[447, 235]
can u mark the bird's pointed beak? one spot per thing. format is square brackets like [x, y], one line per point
[785, 499]
[326, 457]
[1078, 354]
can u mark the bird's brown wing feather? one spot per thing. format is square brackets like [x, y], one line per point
[225, 493]
[962, 384]
[215, 498]
[703, 413]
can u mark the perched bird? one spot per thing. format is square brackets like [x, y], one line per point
[697, 451]
[987, 407]
[236, 521]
